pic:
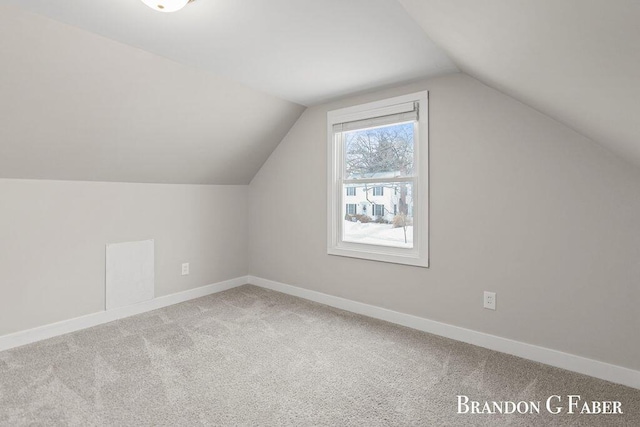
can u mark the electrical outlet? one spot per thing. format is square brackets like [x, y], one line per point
[185, 269]
[490, 300]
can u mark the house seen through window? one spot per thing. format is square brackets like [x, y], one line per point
[379, 167]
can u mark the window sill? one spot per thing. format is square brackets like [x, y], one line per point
[381, 254]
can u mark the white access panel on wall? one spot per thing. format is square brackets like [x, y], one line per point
[130, 273]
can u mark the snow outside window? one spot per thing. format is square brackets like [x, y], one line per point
[379, 159]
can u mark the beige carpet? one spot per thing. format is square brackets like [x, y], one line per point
[249, 356]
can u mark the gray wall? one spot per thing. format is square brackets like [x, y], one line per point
[53, 236]
[520, 205]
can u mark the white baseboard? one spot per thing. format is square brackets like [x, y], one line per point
[18, 339]
[570, 362]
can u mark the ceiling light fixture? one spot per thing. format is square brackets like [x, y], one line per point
[166, 5]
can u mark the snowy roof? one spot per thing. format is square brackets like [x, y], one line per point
[381, 175]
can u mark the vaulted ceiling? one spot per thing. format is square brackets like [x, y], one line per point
[300, 50]
[113, 91]
[78, 106]
[577, 61]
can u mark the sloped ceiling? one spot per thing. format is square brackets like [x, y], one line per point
[78, 106]
[114, 91]
[575, 60]
[305, 51]
[205, 95]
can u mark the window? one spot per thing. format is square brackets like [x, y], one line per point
[351, 208]
[381, 148]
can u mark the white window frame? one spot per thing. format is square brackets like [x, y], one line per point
[419, 254]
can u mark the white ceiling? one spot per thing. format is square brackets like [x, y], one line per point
[575, 60]
[305, 51]
[78, 106]
[114, 91]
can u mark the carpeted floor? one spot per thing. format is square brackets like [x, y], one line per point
[249, 356]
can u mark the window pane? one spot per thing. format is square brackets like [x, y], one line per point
[385, 220]
[381, 152]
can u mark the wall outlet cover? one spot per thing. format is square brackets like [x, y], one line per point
[490, 300]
